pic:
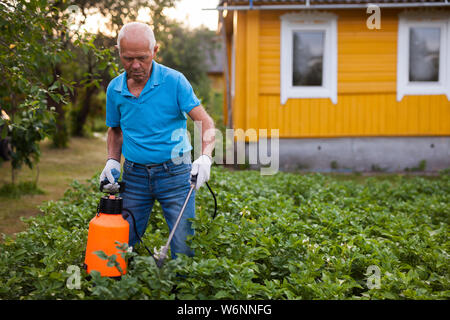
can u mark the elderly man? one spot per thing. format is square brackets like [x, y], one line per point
[146, 109]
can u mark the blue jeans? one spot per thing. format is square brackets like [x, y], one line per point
[169, 183]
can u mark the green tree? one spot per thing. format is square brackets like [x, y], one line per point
[118, 13]
[187, 51]
[33, 47]
[23, 90]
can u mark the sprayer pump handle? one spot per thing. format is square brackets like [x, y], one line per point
[193, 180]
[105, 182]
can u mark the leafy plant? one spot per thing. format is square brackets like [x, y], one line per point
[287, 236]
[34, 38]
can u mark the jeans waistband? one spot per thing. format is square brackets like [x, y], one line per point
[185, 157]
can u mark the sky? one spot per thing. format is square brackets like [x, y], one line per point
[191, 12]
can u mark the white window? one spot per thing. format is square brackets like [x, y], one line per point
[423, 62]
[308, 56]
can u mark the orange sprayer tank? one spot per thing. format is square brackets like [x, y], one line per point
[105, 229]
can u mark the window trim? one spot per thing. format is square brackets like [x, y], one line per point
[422, 19]
[312, 20]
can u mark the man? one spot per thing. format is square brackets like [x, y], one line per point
[146, 109]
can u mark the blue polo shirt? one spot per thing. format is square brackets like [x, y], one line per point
[154, 124]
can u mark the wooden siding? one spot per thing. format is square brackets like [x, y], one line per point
[367, 66]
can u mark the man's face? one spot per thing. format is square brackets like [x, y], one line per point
[136, 57]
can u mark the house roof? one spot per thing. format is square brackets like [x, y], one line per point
[326, 2]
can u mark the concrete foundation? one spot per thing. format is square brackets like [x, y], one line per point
[376, 154]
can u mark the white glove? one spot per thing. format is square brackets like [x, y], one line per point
[111, 172]
[202, 168]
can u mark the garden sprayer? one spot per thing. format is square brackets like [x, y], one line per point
[108, 229]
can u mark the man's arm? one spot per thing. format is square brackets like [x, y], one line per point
[111, 172]
[114, 143]
[202, 166]
[208, 129]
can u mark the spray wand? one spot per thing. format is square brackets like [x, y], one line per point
[161, 255]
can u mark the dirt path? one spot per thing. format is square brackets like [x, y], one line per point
[57, 169]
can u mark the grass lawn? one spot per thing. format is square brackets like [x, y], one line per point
[57, 169]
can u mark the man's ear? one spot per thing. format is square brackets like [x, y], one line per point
[117, 47]
[155, 50]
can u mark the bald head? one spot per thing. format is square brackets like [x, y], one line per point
[136, 32]
[137, 49]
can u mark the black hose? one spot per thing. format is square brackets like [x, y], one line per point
[136, 231]
[135, 226]
[215, 200]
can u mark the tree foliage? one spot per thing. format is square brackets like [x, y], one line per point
[33, 90]
[188, 52]
[116, 14]
[50, 65]
[26, 53]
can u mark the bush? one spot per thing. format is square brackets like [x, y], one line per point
[16, 190]
[286, 236]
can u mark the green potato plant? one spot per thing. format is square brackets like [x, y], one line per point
[286, 236]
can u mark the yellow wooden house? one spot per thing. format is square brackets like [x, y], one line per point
[350, 85]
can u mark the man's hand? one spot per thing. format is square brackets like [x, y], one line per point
[202, 168]
[111, 173]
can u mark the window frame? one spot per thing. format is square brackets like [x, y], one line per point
[309, 21]
[422, 20]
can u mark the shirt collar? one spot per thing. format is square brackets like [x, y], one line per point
[154, 80]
